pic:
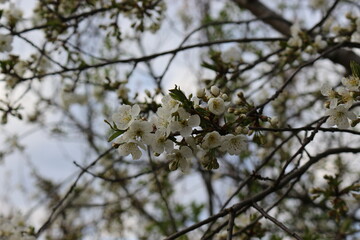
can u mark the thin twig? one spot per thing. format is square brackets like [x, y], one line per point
[276, 222]
[55, 211]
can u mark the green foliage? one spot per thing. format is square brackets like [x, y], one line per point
[355, 68]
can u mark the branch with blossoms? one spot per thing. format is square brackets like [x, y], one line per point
[342, 99]
[207, 125]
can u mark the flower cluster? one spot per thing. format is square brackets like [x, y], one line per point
[341, 99]
[183, 128]
[13, 228]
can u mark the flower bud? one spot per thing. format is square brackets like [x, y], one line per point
[215, 91]
[238, 130]
[274, 121]
[237, 111]
[225, 96]
[200, 93]
[231, 110]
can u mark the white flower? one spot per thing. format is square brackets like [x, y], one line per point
[131, 147]
[139, 130]
[319, 43]
[171, 105]
[346, 97]
[13, 14]
[216, 105]
[185, 123]
[5, 43]
[180, 158]
[339, 116]
[352, 83]
[309, 49]
[162, 120]
[211, 140]
[233, 144]
[295, 40]
[160, 143]
[295, 29]
[125, 115]
[20, 68]
[192, 143]
[327, 91]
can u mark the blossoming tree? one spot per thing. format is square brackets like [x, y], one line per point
[261, 142]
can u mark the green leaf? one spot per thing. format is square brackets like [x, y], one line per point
[209, 66]
[177, 94]
[115, 135]
[355, 68]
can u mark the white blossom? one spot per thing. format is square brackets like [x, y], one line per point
[211, 140]
[180, 158]
[139, 130]
[295, 42]
[5, 43]
[13, 14]
[295, 39]
[233, 144]
[327, 91]
[169, 104]
[216, 105]
[125, 116]
[319, 43]
[185, 124]
[161, 143]
[352, 83]
[162, 120]
[346, 97]
[340, 116]
[132, 147]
